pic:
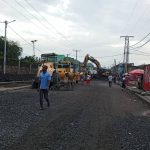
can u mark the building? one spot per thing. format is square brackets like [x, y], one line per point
[52, 57]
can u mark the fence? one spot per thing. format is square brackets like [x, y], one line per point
[18, 70]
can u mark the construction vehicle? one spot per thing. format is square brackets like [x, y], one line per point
[63, 68]
[100, 71]
[93, 60]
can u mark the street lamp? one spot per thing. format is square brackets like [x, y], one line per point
[33, 41]
[6, 23]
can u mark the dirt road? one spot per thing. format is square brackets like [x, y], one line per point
[93, 117]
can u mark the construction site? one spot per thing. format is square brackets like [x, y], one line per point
[74, 75]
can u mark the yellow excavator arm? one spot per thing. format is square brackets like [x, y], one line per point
[93, 60]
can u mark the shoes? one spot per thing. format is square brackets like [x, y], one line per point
[48, 105]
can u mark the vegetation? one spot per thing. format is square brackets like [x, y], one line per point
[13, 49]
[30, 59]
[14, 52]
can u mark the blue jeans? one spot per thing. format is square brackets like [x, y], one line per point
[45, 93]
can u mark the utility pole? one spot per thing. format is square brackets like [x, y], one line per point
[67, 56]
[33, 47]
[115, 70]
[19, 66]
[5, 42]
[76, 59]
[126, 51]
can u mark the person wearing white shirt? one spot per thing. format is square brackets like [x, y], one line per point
[110, 78]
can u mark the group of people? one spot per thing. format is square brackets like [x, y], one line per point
[113, 78]
[45, 80]
[85, 78]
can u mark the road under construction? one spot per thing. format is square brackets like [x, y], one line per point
[91, 117]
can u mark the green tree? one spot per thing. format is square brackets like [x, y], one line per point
[30, 59]
[1, 46]
[13, 49]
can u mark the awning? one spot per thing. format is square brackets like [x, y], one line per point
[137, 72]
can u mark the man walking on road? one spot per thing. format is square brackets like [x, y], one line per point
[123, 82]
[110, 78]
[44, 83]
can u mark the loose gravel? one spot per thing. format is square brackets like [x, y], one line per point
[93, 117]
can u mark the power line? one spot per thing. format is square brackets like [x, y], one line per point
[31, 14]
[140, 54]
[28, 43]
[35, 24]
[102, 56]
[24, 39]
[141, 45]
[138, 20]
[131, 14]
[62, 35]
[141, 40]
[44, 25]
[20, 13]
[133, 10]
[23, 16]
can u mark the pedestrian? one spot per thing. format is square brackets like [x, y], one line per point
[54, 78]
[88, 79]
[123, 82]
[115, 79]
[44, 83]
[110, 78]
[139, 82]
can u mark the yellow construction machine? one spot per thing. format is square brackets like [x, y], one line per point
[93, 60]
[100, 71]
[63, 68]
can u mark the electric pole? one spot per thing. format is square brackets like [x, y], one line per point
[33, 47]
[76, 59]
[67, 56]
[115, 70]
[126, 51]
[5, 42]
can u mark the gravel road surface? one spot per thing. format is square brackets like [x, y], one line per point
[91, 117]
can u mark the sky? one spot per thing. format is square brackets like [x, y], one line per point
[92, 27]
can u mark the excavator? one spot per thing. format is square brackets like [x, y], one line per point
[93, 60]
[100, 70]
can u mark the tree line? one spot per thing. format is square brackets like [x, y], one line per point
[14, 52]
